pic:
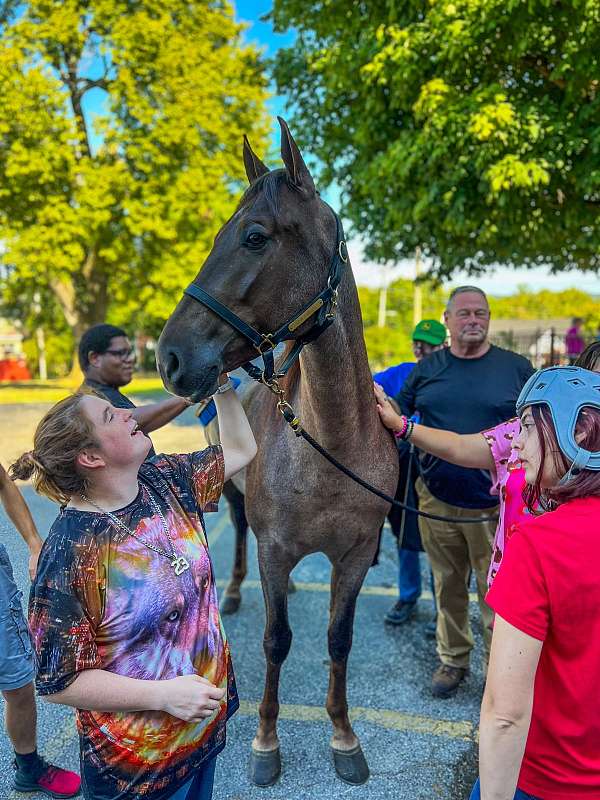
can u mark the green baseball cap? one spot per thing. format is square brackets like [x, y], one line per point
[430, 331]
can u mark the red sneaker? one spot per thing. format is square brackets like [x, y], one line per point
[51, 780]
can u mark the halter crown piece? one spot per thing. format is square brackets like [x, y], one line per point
[321, 307]
[565, 390]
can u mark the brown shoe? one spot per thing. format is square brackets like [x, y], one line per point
[446, 680]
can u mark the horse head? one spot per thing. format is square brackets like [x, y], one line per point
[268, 261]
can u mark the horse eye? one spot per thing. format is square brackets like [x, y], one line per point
[255, 240]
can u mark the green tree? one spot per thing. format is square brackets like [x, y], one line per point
[391, 343]
[470, 128]
[544, 304]
[121, 126]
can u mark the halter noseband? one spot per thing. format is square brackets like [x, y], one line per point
[323, 304]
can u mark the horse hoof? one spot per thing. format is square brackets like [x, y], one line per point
[351, 765]
[291, 586]
[265, 767]
[229, 604]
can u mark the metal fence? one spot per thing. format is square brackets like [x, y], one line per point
[542, 347]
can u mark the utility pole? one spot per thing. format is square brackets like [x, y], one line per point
[40, 338]
[383, 298]
[417, 294]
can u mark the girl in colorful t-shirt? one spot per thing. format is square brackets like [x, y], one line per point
[123, 610]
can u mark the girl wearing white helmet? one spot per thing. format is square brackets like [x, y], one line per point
[540, 715]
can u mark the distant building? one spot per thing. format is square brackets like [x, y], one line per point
[13, 366]
[11, 340]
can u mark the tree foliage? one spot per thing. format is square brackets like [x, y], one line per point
[121, 127]
[470, 128]
[391, 343]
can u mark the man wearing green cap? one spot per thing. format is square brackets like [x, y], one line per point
[429, 335]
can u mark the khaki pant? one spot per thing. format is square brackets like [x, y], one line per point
[454, 549]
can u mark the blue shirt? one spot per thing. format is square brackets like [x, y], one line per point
[392, 379]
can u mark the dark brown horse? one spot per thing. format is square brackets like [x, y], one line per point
[269, 261]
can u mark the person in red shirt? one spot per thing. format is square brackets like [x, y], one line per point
[540, 715]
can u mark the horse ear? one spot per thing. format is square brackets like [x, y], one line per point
[292, 158]
[254, 166]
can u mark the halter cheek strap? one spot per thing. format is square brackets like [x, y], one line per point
[323, 305]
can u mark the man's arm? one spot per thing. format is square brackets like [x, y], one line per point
[19, 513]
[155, 415]
[506, 709]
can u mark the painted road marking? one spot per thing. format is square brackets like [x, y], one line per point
[379, 591]
[383, 717]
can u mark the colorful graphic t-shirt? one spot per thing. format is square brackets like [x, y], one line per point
[103, 600]
[509, 484]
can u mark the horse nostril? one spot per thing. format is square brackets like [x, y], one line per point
[172, 366]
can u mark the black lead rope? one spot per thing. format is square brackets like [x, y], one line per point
[294, 423]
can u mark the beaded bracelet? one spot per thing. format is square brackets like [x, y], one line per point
[406, 431]
[400, 434]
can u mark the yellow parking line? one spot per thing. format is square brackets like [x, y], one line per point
[384, 718]
[378, 591]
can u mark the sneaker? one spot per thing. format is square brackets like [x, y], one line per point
[51, 780]
[400, 612]
[430, 629]
[446, 680]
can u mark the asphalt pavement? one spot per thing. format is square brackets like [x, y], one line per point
[418, 747]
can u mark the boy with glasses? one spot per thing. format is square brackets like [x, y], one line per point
[107, 361]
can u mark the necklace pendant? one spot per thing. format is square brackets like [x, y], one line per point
[180, 564]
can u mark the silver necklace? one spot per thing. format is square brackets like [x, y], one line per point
[178, 562]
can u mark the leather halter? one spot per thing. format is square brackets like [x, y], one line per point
[323, 305]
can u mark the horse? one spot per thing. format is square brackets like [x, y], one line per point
[269, 262]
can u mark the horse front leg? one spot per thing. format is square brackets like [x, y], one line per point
[232, 597]
[346, 581]
[265, 761]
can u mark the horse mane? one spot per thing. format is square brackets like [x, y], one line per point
[268, 185]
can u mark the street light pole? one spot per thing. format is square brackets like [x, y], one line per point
[417, 294]
[383, 298]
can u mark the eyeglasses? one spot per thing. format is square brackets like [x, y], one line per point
[124, 353]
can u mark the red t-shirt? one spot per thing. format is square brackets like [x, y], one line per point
[549, 588]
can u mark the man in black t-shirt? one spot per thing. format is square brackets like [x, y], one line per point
[107, 361]
[468, 387]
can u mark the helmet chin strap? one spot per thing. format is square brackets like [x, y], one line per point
[581, 460]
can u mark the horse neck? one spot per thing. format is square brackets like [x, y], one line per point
[336, 387]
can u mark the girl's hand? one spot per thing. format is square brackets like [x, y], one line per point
[190, 697]
[388, 416]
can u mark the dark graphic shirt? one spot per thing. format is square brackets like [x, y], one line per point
[104, 600]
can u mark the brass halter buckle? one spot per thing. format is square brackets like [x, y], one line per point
[266, 344]
[334, 301]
